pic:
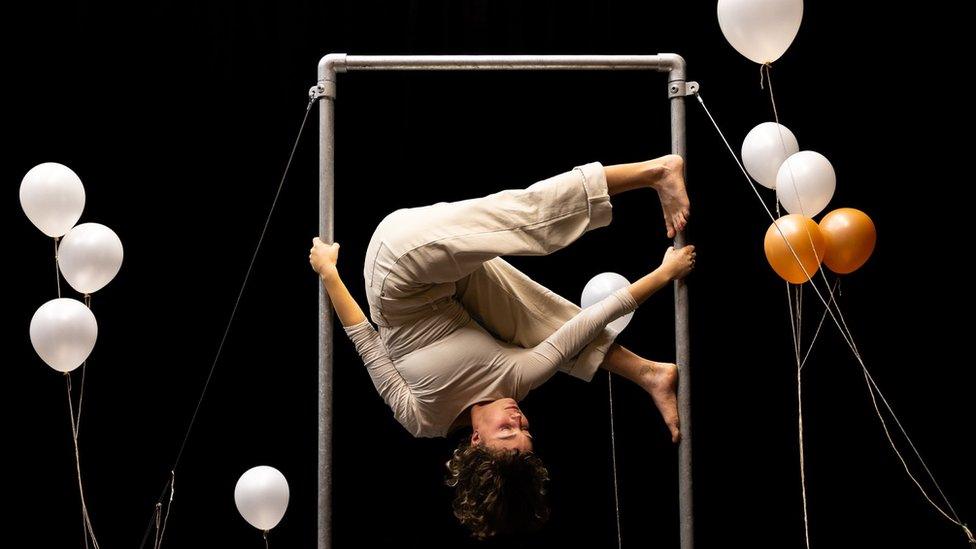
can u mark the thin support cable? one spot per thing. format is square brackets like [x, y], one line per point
[850, 334]
[845, 333]
[230, 321]
[161, 530]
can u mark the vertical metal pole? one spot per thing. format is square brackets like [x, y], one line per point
[676, 88]
[326, 233]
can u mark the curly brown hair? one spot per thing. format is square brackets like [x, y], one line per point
[497, 491]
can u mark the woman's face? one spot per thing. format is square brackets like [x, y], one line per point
[500, 424]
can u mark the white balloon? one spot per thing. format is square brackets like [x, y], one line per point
[598, 288]
[53, 197]
[90, 256]
[806, 183]
[63, 332]
[765, 149]
[761, 30]
[261, 495]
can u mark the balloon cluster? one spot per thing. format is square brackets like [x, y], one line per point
[804, 181]
[63, 330]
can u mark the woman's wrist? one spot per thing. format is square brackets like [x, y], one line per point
[329, 273]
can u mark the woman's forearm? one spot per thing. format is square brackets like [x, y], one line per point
[650, 283]
[342, 301]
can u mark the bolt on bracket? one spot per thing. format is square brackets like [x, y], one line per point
[682, 88]
[325, 88]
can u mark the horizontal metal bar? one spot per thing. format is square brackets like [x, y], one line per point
[340, 62]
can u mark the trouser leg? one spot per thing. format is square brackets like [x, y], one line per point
[420, 253]
[523, 312]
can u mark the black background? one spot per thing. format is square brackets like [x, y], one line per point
[179, 119]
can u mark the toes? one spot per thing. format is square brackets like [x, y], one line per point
[675, 431]
[679, 222]
[670, 225]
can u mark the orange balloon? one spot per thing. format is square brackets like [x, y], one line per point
[850, 237]
[800, 231]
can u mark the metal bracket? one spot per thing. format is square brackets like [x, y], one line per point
[681, 89]
[325, 88]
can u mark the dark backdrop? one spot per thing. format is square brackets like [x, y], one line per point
[179, 120]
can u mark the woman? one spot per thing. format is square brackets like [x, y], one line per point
[463, 335]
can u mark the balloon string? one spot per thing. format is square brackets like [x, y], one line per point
[233, 313]
[873, 384]
[793, 329]
[845, 332]
[57, 268]
[74, 431]
[799, 314]
[755, 189]
[81, 391]
[772, 100]
[779, 129]
[872, 387]
[816, 334]
[265, 539]
[869, 382]
[88, 530]
[613, 457]
[795, 317]
[789, 165]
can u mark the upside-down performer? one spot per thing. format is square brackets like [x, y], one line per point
[464, 336]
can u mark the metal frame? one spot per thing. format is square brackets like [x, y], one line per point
[325, 91]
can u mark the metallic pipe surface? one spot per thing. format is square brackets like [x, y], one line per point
[682, 339]
[326, 341]
[334, 63]
[345, 63]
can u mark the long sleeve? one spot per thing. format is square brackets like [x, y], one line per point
[573, 336]
[387, 380]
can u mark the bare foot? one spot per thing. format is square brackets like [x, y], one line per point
[670, 187]
[660, 379]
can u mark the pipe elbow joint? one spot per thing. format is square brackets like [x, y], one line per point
[677, 66]
[330, 64]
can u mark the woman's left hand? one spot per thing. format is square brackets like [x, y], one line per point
[323, 257]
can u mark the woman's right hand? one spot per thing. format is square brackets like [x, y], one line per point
[324, 257]
[678, 263]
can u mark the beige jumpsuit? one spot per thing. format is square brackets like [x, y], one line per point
[460, 325]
